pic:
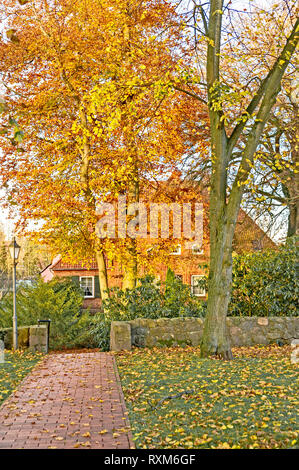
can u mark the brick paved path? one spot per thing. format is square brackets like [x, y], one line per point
[70, 400]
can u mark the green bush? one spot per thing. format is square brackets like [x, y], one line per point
[58, 300]
[147, 300]
[266, 283]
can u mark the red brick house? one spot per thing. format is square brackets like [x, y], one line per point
[187, 264]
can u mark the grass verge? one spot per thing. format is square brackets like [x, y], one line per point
[249, 402]
[15, 367]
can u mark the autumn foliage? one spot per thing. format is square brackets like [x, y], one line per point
[101, 99]
[90, 93]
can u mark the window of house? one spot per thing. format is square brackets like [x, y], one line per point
[179, 277]
[197, 250]
[177, 250]
[151, 250]
[196, 289]
[87, 284]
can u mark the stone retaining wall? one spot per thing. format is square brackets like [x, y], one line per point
[183, 331]
[32, 337]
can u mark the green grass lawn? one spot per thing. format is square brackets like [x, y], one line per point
[16, 366]
[250, 402]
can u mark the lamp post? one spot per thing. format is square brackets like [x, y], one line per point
[14, 250]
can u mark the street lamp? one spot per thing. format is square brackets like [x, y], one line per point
[14, 250]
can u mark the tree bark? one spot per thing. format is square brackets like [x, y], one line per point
[215, 341]
[215, 337]
[293, 222]
[84, 174]
[293, 190]
[130, 259]
[131, 267]
[102, 275]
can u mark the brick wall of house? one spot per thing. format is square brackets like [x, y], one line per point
[60, 270]
[184, 265]
[248, 237]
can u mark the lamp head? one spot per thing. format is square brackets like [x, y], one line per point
[14, 250]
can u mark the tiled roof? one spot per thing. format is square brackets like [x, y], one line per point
[247, 231]
[75, 266]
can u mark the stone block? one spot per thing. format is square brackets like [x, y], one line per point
[166, 340]
[243, 331]
[8, 338]
[120, 336]
[151, 341]
[194, 337]
[38, 336]
[138, 341]
[23, 337]
[263, 321]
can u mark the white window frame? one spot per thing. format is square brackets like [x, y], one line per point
[196, 253]
[178, 252]
[203, 294]
[93, 286]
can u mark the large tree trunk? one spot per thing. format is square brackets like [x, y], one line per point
[290, 188]
[293, 221]
[130, 258]
[215, 339]
[293, 189]
[103, 281]
[131, 266]
[215, 336]
[224, 204]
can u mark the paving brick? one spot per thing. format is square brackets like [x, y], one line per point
[62, 396]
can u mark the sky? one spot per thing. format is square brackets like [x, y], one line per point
[7, 225]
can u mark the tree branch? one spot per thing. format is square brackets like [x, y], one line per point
[281, 63]
[190, 93]
[271, 91]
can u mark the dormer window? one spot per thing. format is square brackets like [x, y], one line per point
[197, 250]
[177, 250]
